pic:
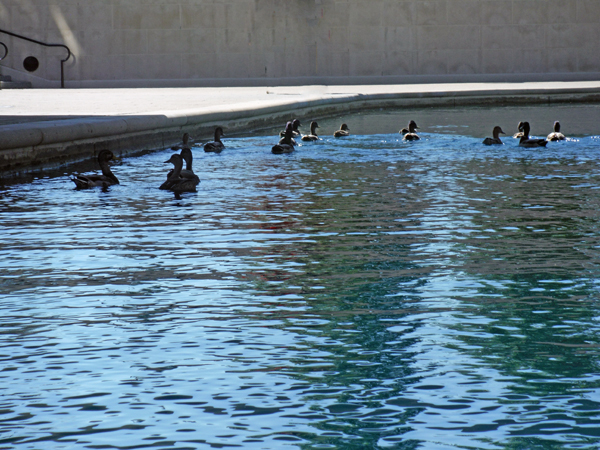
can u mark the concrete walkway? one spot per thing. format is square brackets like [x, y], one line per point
[48, 127]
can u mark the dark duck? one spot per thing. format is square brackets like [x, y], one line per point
[216, 146]
[343, 131]
[528, 142]
[295, 129]
[185, 142]
[313, 133]
[186, 155]
[495, 140]
[175, 182]
[106, 179]
[286, 144]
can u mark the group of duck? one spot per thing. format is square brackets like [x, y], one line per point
[287, 142]
[185, 180]
[178, 178]
[523, 135]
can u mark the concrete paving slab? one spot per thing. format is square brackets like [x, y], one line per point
[48, 127]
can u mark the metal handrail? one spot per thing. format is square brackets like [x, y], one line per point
[5, 51]
[62, 61]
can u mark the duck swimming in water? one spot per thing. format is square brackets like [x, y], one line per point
[556, 135]
[286, 145]
[313, 133]
[295, 123]
[186, 155]
[495, 140]
[528, 142]
[106, 179]
[185, 142]
[519, 134]
[343, 131]
[216, 146]
[295, 131]
[411, 134]
[176, 182]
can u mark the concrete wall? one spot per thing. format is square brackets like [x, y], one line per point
[212, 42]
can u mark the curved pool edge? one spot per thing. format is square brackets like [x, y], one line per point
[47, 144]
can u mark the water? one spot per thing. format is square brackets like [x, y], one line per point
[360, 293]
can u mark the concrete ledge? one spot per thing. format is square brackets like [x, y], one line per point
[39, 144]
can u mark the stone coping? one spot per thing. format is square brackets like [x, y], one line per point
[40, 141]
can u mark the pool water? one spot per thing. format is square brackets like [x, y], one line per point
[359, 293]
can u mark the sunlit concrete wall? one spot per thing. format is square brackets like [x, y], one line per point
[197, 42]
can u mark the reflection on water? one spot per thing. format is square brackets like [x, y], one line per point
[360, 293]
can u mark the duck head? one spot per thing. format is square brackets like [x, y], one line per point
[313, 127]
[525, 128]
[175, 159]
[344, 127]
[412, 126]
[105, 156]
[496, 132]
[219, 133]
[557, 127]
[296, 124]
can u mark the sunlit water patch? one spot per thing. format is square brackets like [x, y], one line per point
[360, 293]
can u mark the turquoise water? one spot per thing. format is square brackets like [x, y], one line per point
[359, 293]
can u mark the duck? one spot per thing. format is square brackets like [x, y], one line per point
[106, 179]
[185, 142]
[556, 135]
[343, 131]
[528, 142]
[176, 182]
[287, 146]
[411, 134]
[295, 125]
[496, 139]
[216, 146]
[519, 134]
[313, 133]
[284, 140]
[186, 155]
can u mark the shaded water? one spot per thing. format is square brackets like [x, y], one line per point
[359, 293]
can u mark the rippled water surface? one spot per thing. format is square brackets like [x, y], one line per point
[359, 293]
